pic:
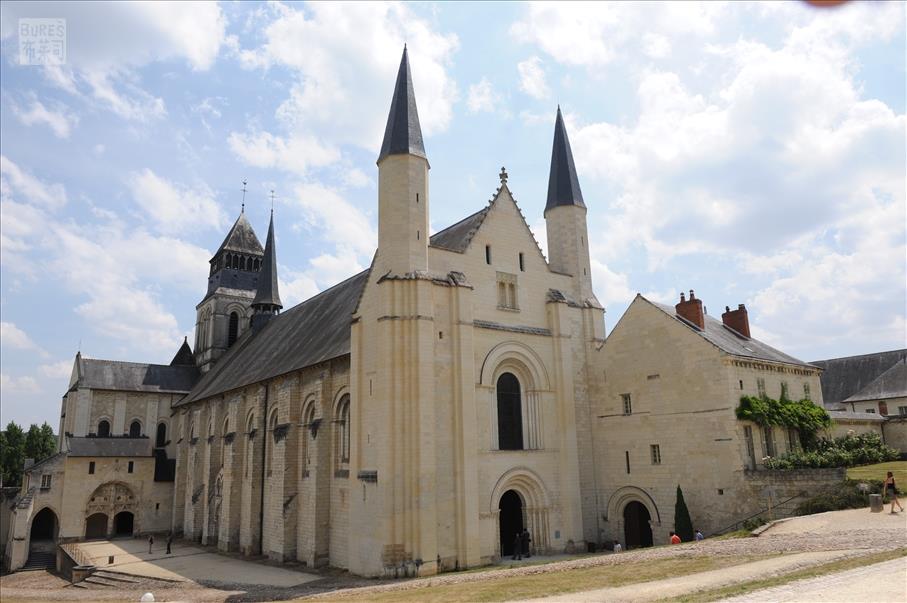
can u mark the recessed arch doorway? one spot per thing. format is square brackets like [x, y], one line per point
[637, 525]
[123, 523]
[510, 520]
[96, 526]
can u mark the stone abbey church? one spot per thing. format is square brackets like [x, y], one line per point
[418, 415]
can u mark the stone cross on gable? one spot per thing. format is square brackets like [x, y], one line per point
[503, 175]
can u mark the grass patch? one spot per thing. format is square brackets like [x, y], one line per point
[734, 534]
[880, 470]
[808, 572]
[553, 583]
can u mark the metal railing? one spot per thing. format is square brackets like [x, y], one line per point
[780, 509]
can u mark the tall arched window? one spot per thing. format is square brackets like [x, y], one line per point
[160, 439]
[308, 420]
[104, 428]
[234, 329]
[223, 448]
[510, 416]
[135, 429]
[272, 425]
[342, 421]
[250, 444]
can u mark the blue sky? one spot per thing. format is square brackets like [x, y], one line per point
[752, 152]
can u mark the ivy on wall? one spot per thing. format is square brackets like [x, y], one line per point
[803, 415]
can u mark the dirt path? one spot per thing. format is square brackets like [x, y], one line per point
[879, 583]
[682, 585]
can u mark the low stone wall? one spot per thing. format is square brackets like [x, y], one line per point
[894, 432]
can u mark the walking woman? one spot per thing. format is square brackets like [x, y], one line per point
[891, 490]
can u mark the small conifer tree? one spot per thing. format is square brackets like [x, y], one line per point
[683, 525]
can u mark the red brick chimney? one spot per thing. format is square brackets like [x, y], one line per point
[691, 310]
[737, 320]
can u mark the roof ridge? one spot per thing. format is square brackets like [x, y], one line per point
[894, 351]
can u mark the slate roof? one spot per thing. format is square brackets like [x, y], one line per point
[563, 183]
[184, 356]
[241, 238]
[732, 342]
[458, 236]
[843, 415]
[403, 134]
[267, 293]
[134, 376]
[109, 447]
[890, 384]
[847, 376]
[313, 331]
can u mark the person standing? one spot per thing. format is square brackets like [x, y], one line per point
[617, 547]
[150, 542]
[675, 539]
[525, 540]
[169, 541]
[891, 490]
[699, 536]
[517, 547]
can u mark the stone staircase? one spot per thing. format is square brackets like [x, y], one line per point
[40, 560]
[106, 579]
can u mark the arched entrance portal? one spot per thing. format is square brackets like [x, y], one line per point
[637, 529]
[44, 528]
[96, 526]
[123, 523]
[511, 520]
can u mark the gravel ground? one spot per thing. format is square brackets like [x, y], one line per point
[859, 532]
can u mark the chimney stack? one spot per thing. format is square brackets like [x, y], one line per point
[691, 310]
[737, 320]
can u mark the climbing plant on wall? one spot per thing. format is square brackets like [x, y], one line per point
[803, 415]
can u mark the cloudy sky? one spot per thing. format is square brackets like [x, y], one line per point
[753, 152]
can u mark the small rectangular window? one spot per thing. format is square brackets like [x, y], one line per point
[902, 410]
[417, 197]
[45, 481]
[627, 459]
[760, 386]
[806, 393]
[768, 441]
[522, 266]
[91, 468]
[872, 410]
[488, 254]
[507, 291]
[129, 469]
[628, 404]
[784, 390]
[656, 454]
[741, 385]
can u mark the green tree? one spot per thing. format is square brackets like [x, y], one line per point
[12, 454]
[40, 442]
[683, 525]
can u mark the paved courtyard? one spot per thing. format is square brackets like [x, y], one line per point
[187, 563]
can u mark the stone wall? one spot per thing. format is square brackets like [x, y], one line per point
[895, 434]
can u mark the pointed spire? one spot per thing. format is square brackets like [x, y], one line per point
[184, 356]
[267, 297]
[403, 134]
[563, 185]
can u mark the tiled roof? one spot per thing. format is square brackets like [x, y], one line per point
[135, 377]
[109, 447]
[403, 134]
[458, 236]
[563, 183]
[890, 384]
[847, 376]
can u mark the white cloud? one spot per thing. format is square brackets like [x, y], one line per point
[175, 208]
[13, 337]
[296, 154]
[482, 97]
[18, 385]
[334, 219]
[60, 122]
[15, 180]
[532, 78]
[656, 46]
[57, 370]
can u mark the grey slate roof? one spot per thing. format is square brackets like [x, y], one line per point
[241, 238]
[458, 236]
[109, 447]
[843, 415]
[184, 356]
[845, 377]
[403, 134]
[890, 384]
[732, 342]
[135, 377]
[563, 184]
[267, 293]
[313, 331]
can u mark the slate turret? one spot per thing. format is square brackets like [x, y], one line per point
[267, 298]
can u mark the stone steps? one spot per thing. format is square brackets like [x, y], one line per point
[40, 561]
[115, 576]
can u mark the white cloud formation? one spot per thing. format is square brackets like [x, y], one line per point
[172, 207]
[532, 78]
[13, 337]
[18, 385]
[15, 180]
[296, 154]
[482, 97]
[61, 369]
[60, 121]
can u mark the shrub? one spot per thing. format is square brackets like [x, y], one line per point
[848, 451]
[803, 415]
[847, 495]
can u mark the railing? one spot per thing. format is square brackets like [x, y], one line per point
[781, 509]
[76, 554]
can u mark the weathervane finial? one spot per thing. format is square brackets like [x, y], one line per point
[503, 175]
[243, 196]
[272, 200]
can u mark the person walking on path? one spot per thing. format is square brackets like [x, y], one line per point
[517, 547]
[675, 539]
[891, 490]
[699, 536]
[525, 539]
[150, 543]
[169, 541]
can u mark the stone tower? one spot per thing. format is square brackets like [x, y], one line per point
[402, 184]
[267, 298]
[224, 313]
[565, 217]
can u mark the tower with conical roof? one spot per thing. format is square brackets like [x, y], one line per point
[267, 298]
[225, 311]
[402, 184]
[565, 217]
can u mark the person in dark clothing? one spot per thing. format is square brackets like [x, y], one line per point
[150, 543]
[169, 541]
[517, 547]
[525, 539]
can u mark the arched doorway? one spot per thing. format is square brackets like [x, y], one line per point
[123, 523]
[637, 529]
[96, 526]
[43, 530]
[510, 520]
